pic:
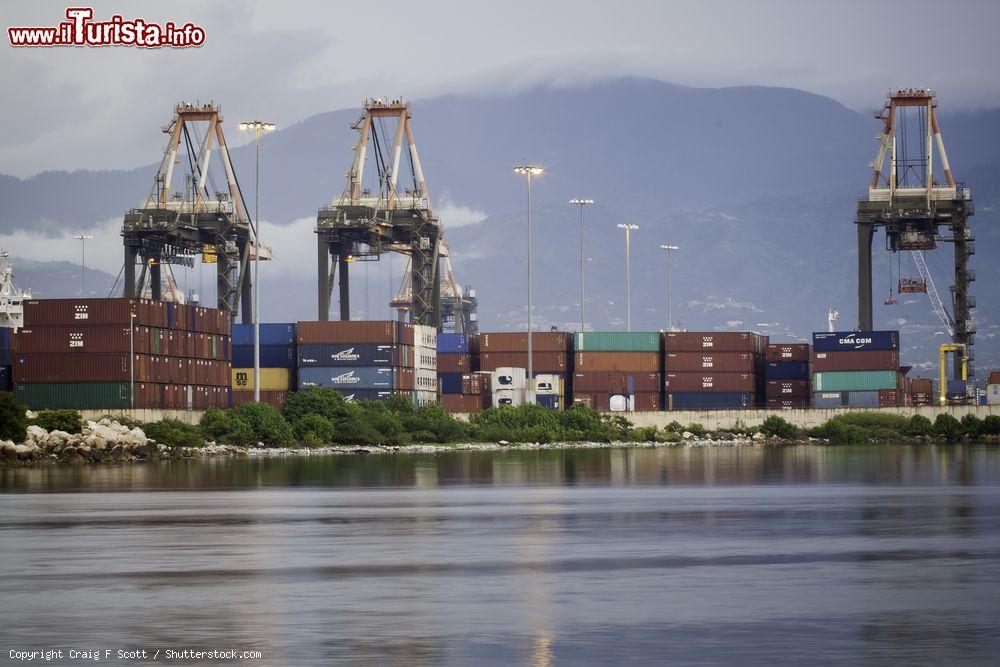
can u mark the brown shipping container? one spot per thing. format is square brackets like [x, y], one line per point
[731, 362]
[477, 383]
[42, 312]
[710, 382]
[406, 379]
[921, 386]
[889, 398]
[647, 402]
[462, 403]
[381, 332]
[787, 403]
[788, 351]
[114, 367]
[693, 341]
[542, 362]
[541, 341]
[855, 360]
[273, 398]
[788, 389]
[609, 362]
[601, 402]
[454, 363]
[616, 383]
[80, 339]
[994, 377]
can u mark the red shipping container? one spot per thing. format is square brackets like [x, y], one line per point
[693, 341]
[406, 379]
[731, 362]
[595, 401]
[464, 403]
[617, 383]
[788, 351]
[787, 389]
[382, 332]
[889, 398]
[647, 402]
[542, 362]
[273, 398]
[477, 383]
[855, 360]
[710, 382]
[608, 362]
[81, 338]
[541, 341]
[454, 363]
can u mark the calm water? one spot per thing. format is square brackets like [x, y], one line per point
[695, 556]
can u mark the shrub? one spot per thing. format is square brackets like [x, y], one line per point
[873, 420]
[59, 420]
[174, 433]
[675, 427]
[643, 434]
[918, 425]
[669, 436]
[313, 430]
[522, 423]
[582, 423]
[991, 425]
[840, 432]
[972, 425]
[356, 431]
[319, 401]
[948, 427]
[216, 424]
[265, 422]
[695, 429]
[779, 426]
[13, 421]
[430, 423]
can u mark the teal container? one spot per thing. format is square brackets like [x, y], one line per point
[855, 380]
[617, 341]
[73, 395]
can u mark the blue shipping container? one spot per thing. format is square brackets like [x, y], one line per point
[698, 400]
[786, 370]
[5, 378]
[5, 337]
[452, 343]
[862, 399]
[956, 388]
[361, 377]
[550, 401]
[6, 356]
[371, 394]
[271, 356]
[270, 334]
[450, 383]
[846, 341]
[828, 399]
[348, 355]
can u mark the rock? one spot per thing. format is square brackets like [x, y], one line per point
[36, 432]
[137, 436]
[503, 443]
[687, 435]
[106, 432]
[30, 414]
[759, 436]
[104, 422]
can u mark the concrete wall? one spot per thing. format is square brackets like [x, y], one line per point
[147, 414]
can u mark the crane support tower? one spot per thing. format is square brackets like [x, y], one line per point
[185, 216]
[917, 209]
[458, 306]
[363, 222]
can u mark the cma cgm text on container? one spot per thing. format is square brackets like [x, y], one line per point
[844, 341]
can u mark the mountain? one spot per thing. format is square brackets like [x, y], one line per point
[757, 185]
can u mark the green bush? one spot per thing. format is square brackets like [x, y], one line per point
[779, 426]
[582, 423]
[840, 432]
[991, 425]
[430, 423]
[948, 427]
[217, 424]
[669, 436]
[319, 401]
[13, 421]
[265, 422]
[643, 434]
[313, 430]
[522, 423]
[696, 430]
[174, 433]
[59, 420]
[972, 425]
[918, 425]
[873, 420]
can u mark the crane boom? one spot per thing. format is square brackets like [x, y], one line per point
[932, 293]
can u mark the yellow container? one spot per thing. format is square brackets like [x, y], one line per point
[271, 379]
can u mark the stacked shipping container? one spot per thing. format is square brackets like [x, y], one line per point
[551, 354]
[856, 369]
[362, 360]
[618, 372]
[786, 376]
[456, 360]
[6, 358]
[277, 363]
[84, 353]
[713, 371]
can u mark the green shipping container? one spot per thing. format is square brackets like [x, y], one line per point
[74, 395]
[617, 341]
[855, 380]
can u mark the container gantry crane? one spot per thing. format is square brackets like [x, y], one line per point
[917, 211]
[361, 225]
[458, 306]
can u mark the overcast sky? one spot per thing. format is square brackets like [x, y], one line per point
[72, 108]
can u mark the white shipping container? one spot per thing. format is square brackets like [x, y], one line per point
[424, 336]
[509, 397]
[424, 397]
[548, 385]
[425, 358]
[509, 378]
[993, 394]
[620, 403]
[425, 380]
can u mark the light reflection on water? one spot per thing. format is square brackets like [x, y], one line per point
[707, 555]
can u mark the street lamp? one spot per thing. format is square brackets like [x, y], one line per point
[670, 314]
[628, 270]
[581, 203]
[528, 171]
[82, 238]
[257, 126]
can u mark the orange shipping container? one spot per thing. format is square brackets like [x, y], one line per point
[605, 362]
